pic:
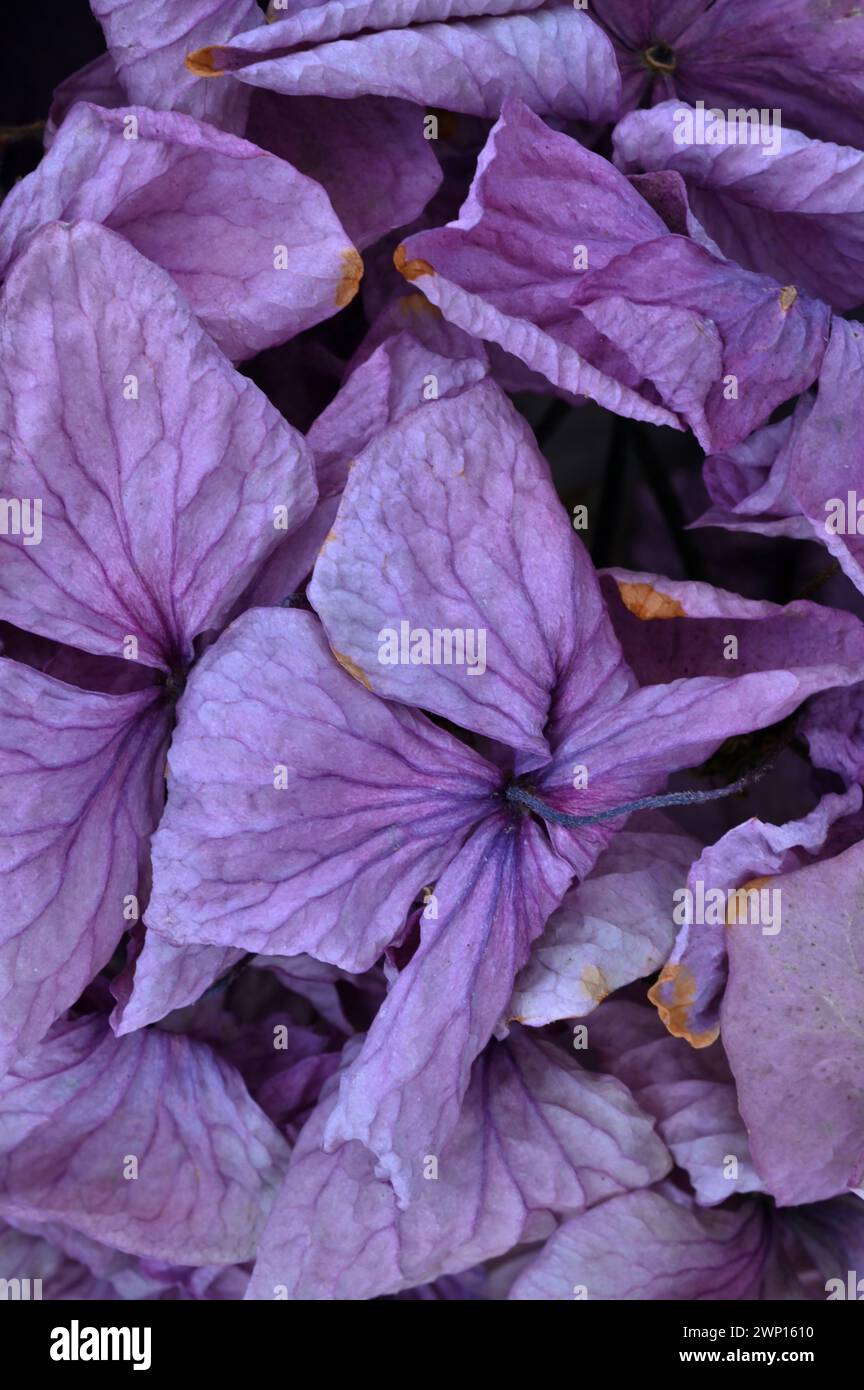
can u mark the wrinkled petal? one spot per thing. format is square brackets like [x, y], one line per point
[557, 60]
[303, 813]
[402, 1096]
[254, 245]
[159, 469]
[370, 155]
[454, 496]
[613, 928]
[793, 1026]
[148, 46]
[80, 794]
[644, 1246]
[690, 1094]
[536, 1137]
[84, 1103]
[792, 208]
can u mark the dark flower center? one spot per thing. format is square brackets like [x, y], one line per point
[175, 683]
[660, 58]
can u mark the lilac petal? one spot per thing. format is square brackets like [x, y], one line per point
[644, 1246]
[156, 510]
[833, 726]
[402, 1095]
[303, 813]
[690, 1094]
[690, 988]
[453, 496]
[369, 155]
[613, 928]
[749, 484]
[254, 245]
[793, 210]
[771, 340]
[504, 270]
[377, 390]
[85, 1103]
[165, 977]
[536, 1137]
[557, 60]
[655, 314]
[833, 433]
[28, 1256]
[673, 627]
[793, 1023]
[81, 793]
[790, 54]
[148, 46]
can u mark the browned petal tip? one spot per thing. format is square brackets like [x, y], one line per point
[647, 603]
[594, 983]
[202, 63]
[412, 270]
[788, 295]
[673, 1005]
[352, 274]
[352, 668]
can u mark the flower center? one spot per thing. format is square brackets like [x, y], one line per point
[660, 58]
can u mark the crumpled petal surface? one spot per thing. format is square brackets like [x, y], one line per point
[158, 466]
[84, 1102]
[536, 1136]
[254, 245]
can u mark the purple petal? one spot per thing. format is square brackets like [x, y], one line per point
[254, 245]
[86, 1103]
[556, 60]
[81, 793]
[536, 1137]
[793, 1026]
[303, 813]
[644, 1246]
[159, 469]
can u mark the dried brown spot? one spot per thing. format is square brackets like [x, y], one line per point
[594, 983]
[788, 295]
[412, 270]
[352, 668]
[331, 536]
[674, 1009]
[351, 277]
[647, 603]
[202, 63]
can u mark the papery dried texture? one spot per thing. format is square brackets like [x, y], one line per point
[614, 927]
[646, 1246]
[537, 1137]
[328, 853]
[154, 504]
[462, 55]
[80, 795]
[793, 208]
[691, 1095]
[801, 57]
[84, 1104]
[148, 45]
[749, 484]
[792, 1020]
[409, 355]
[140, 448]
[554, 695]
[254, 245]
[609, 303]
[97, 82]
